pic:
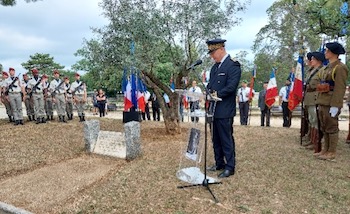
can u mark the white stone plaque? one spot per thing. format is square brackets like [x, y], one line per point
[110, 144]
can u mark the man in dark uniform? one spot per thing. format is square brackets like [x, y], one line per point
[224, 80]
[331, 92]
[265, 110]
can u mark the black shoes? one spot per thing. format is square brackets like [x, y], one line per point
[226, 173]
[215, 168]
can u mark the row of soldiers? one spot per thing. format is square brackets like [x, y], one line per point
[40, 95]
[325, 87]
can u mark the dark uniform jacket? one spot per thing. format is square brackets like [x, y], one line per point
[261, 100]
[335, 74]
[224, 80]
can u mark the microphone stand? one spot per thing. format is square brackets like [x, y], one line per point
[206, 182]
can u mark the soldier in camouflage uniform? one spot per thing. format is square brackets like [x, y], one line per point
[14, 88]
[78, 89]
[59, 96]
[48, 98]
[28, 101]
[36, 86]
[69, 98]
[331, 91]
[4, 98]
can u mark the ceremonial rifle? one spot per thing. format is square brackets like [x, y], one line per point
[78, 88]
[35, 87]
[57, 88]
[11, 85]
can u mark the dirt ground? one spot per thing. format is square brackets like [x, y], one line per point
[45, 169]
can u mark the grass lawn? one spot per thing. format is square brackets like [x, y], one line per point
[273, 173]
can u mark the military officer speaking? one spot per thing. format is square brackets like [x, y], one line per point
[331, 91]
[224, 80]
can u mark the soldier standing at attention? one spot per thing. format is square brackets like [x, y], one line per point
[48, 98]
[330, 98]
[36, 86]
[69, 97]
[14, 88]
[78, 90]
[224, 80]
[58, 93]
[4, 98]
[28, 101]
[264, 109]
[317, 59]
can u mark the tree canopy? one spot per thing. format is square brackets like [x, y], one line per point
[43, 62]
[168, 36]
[13, 2]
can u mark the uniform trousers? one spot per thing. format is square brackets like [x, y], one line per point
[312, 116]
[69, 105]
[48, 106]
[7, 104]
[286, 115]
[79, 102]
[16, 105]
[328, 124]
[60, 104]
[224, 143]
[29, 106]
[243, 112]
[39, 106]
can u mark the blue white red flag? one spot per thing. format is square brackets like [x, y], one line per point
[272, 90]
[296, 92]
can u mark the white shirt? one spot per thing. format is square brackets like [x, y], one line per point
[283, 94]
[193, 91]
[243, 94]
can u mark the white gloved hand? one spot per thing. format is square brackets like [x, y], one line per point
[333, 111]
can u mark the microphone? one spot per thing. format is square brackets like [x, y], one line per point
[198, 62]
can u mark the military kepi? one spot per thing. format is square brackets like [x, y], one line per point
[335, 48]
[215, 44]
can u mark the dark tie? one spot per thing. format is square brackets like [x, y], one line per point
[12, 78]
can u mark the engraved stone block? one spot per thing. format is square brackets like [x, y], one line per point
[91, 130]
[132, 139]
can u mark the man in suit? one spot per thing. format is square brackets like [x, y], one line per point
[265, 110]
[331, 92]
[224, 80]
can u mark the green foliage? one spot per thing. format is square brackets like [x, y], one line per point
[43, 62]
[12, 2]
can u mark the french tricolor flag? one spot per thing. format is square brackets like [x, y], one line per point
[126, 88]
[272, 90]
[296, 93]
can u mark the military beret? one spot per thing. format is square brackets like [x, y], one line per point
[319, 56]
[4, 73]
[66, 78]
[77, 75]
[266, 82]
[215, 44]
[44, 76]
[11, 69]
[308, 56]
[56, 72]
[335, 48]
[35, 71]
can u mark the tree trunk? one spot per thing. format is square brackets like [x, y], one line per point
[170, 114]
